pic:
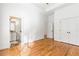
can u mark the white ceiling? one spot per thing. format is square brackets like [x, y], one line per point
[48, 6]
[44, 5]
[51, 7]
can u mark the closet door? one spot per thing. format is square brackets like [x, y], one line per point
[76, 31]
[65, 33]
[69, 31]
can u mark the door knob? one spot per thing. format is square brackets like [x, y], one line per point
[68, 32]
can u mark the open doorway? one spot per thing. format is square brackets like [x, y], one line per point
[15, 30]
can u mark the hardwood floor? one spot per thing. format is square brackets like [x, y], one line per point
[44, 47]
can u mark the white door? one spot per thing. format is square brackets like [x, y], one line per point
[50, 33]
[69, 31]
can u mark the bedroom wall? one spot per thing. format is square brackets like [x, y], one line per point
[33, 22]
[0, 28]
[71, 14]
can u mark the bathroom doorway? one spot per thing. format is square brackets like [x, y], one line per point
[15, 31]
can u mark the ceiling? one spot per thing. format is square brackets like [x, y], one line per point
[45, 5]
[48, 6]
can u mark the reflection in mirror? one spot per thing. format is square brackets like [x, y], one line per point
[15, 30]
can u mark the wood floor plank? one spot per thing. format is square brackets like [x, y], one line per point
[44, 47]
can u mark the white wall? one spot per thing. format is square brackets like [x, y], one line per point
[7, 10]
[33, 22]
[66, 13]
[0, 27]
